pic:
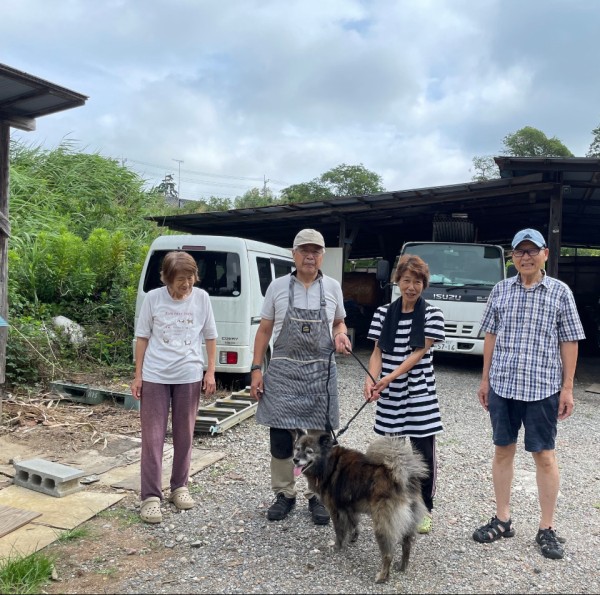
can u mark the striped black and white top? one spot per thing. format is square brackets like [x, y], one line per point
[409, 406]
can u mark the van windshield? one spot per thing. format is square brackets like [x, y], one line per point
[460, 265]
[219, 272]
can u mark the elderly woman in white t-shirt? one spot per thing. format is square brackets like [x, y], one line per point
[169, 374]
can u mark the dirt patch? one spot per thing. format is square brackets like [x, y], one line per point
[113, 545]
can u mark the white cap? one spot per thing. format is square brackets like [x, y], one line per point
[309, 236]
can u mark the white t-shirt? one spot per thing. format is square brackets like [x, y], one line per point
[277, 299]
[175, 329]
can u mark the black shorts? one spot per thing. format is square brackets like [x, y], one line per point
[539, 418]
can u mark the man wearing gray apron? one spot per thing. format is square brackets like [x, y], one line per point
[305, 313]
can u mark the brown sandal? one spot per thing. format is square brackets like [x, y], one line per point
[182, 499]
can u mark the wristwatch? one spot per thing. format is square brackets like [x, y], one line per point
[255, 367]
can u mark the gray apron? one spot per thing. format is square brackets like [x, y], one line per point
[295, 384]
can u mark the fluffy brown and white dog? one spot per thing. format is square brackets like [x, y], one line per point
[384, 482]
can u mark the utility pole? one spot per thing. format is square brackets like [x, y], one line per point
[179, 162]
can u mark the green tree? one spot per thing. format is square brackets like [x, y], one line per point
[594, 150]
[254, 198]
[531, 142]
[306, 192]
[343, 180]
[352, 180]
[485, 169]
[526, 142]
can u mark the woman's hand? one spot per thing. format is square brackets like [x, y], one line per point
[380, 386]
[136, 388]
[368, 389]
[209, 386]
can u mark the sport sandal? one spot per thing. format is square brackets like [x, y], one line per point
[150, 510]
[494, 530]
[550, 544]
[182, 499]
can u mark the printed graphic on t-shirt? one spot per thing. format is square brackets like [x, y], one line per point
[177, 328]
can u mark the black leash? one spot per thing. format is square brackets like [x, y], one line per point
[328, 427]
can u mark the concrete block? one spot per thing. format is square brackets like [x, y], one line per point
[47, 477]
[125, 400]
[78, 393]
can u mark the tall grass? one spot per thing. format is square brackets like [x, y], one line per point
[24, 574]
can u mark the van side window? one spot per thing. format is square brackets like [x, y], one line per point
[264, 273]
[282, 267]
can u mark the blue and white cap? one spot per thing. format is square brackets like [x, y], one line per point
[532, 235]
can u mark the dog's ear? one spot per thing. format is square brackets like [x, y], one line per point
[325, 440]
[298, 433]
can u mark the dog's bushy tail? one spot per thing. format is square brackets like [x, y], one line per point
[398, 455]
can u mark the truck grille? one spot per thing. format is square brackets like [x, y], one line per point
[458, 329]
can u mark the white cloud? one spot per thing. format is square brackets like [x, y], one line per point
[287, 90]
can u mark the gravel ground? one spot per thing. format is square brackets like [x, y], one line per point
[226, 545]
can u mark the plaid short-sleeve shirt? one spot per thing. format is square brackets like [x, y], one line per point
[529, 324]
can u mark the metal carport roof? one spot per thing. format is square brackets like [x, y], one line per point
[560, 197]
[24, 97]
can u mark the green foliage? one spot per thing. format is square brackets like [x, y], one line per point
[27, 342]
[594, 150]
[24, 574]
[343, 180]
[306, 192]
[79, 241]
[531, 142]
[485, 169]
[352, 180]
[255, 198]
[526, 142]
[74, 534]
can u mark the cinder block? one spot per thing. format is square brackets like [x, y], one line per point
[47, 477]
[125, 400]
[78, 393]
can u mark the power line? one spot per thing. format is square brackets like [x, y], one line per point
[199, 173]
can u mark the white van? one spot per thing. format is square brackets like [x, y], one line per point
[236, 273]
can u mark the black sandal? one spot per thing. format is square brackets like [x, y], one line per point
[494, 530]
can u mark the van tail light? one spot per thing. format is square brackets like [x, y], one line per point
[228, 357]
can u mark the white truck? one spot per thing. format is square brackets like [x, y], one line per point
[236, 273]
[461, 278]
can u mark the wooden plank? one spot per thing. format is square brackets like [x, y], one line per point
[61, 513]
[13, 518]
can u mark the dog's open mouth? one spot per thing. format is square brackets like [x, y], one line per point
[299, 469]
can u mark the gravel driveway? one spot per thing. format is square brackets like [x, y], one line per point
[226, 545]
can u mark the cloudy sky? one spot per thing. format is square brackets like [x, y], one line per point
[226, 94]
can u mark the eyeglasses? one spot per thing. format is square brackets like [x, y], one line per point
[307, 251]
[529, 251]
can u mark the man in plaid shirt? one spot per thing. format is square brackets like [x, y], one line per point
[530, 352]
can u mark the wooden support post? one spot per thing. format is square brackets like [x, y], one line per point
[4, 233]
[554, 238]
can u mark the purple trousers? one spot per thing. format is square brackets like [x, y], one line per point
[157, 399]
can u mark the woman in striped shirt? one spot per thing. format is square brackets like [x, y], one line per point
[404, 333]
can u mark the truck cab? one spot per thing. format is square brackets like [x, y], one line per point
[461, 277]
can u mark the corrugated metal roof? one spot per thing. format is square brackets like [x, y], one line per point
[378, 224]
[24, 97]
